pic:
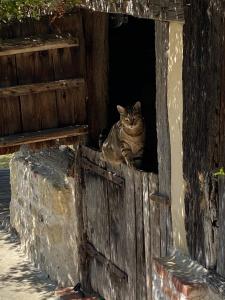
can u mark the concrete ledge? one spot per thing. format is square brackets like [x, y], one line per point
[179, 278]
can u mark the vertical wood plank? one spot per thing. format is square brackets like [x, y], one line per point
[202, 69]
[130, 208]
[10, 121]
[221, 224]
[147, 236]
[141, 292]
[70, 63]
[32, 68]
[97, 213]
[221, 221]
[96, 38]
[117, 224]
[164, 150]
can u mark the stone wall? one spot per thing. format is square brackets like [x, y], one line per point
[179, 278]
[43, 211]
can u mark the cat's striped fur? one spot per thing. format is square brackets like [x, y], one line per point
[125, 142]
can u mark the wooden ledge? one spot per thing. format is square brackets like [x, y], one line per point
[37, 43]
[43, 135]
[160, 199]
[22, 90]
[112, 268]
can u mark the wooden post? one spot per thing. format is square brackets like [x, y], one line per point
[202, 69]
[164, 152]
[96, 38]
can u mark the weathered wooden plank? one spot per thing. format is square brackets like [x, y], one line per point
[147, 236]
[34, 107]
[21, 90]
[202, 70]
[221, 225]
[36, 43]
[155, 229]
[10, 121]
[160, 199]
[221, 221]
[89, 166]
[141, 293]
[117, 227]
[69, 63]
[42, 135]
[164, 151]
[96, 38]
[166, 10]
[131, 249]
[91, 250]
[97, 203]
[117, 223]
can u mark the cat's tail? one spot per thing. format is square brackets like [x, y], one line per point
[102, 137]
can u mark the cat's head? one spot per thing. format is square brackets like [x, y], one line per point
[131, 117]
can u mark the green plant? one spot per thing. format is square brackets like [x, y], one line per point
[18, 9]
[220, 172]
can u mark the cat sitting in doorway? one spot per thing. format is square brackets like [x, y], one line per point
[125, 141]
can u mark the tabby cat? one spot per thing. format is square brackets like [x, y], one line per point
[125, 142]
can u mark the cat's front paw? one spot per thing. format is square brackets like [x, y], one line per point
[129, 163]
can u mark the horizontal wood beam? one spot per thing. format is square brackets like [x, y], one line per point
[37, 43]
[160, 199]
[91, 167]
[43, 135]
[92, 252]
[22, 90]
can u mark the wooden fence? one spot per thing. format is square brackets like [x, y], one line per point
[44, 83]
[123, 224]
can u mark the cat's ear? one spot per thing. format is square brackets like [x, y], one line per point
[137, 106]
[121, 109]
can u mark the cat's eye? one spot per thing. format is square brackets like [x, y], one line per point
[127, 119]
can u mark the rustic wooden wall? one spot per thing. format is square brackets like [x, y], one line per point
[122, 227]
[203, 124]
[57, 108]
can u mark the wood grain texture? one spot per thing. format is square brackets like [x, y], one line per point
[36, 43]
[163, 134]
[124, 226]
[50, 109]
[203, 53]
[70, 63]
[42, 135]
[221, 221]
[140, 240]
[35, 88]
[96, 39]
[10, 120]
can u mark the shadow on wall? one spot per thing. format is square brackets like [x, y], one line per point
[43, 212]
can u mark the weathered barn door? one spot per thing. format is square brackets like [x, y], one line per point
[121, 228]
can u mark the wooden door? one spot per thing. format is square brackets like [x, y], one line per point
[116, 207]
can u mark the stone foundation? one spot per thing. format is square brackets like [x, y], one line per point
[43, 211]
[179, 278]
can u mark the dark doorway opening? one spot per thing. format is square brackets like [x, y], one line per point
[132, 75]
